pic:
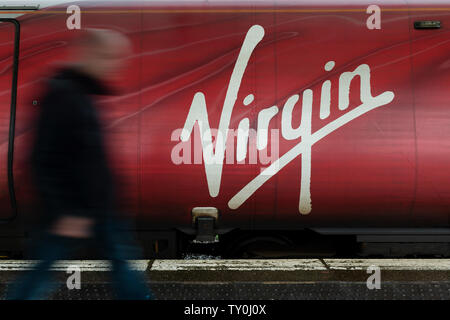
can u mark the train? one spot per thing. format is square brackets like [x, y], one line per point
[250, 120]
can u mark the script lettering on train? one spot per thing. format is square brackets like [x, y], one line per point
[214, 151]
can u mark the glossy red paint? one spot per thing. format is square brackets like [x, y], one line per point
[7, 35]
[390, 167]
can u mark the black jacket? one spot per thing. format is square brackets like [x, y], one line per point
[68, 157]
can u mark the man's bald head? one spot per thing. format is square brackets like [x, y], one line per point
[101, 52]
[94, 38]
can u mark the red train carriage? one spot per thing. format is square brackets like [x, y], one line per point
[251, 115]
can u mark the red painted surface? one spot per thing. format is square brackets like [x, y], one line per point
[431, 70]
[7, 32]
[389, 167]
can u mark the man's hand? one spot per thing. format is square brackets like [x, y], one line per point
[73, 227]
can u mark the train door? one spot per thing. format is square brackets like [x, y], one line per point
[9, 37]
[430, 28]
[332, 60]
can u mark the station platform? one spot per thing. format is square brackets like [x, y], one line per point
[282, 279]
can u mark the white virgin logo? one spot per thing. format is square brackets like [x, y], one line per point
[214, 156]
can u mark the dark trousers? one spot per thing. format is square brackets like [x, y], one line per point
[114, 246]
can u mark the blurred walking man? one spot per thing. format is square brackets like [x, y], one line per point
[71, 170]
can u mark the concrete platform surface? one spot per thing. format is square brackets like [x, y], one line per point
[288, 279]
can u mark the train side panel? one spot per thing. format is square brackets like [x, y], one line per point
[431, 69]
[362, 173]
[333, 106]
